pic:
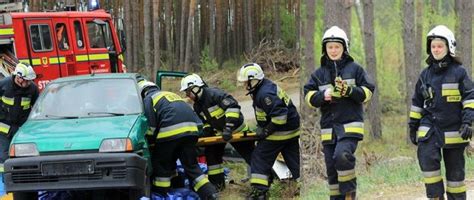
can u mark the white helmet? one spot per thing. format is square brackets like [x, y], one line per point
[250, 71]
[190, 81]
[441, 31]
[335, 34]
[24, 71]
[145, 85]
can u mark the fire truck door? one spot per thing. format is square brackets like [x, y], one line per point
[43, 51]
[98, 43]
[62, 34]
[81, 54]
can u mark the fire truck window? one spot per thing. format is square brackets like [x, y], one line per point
[79, 37]
[96, 38]
[108, 37]
[41, 37]
[61, 34]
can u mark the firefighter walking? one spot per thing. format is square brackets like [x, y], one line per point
[441, 116]
[278, 128]
[175, 127]
[339, 88]
[18, 94]
[221, 115]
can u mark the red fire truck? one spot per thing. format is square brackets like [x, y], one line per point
[59, 44]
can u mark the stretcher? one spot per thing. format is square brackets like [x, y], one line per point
[236, 137]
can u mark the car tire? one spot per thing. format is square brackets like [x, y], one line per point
[25, 195]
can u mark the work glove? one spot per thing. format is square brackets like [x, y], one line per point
[342, 87]
[413, 131]
[262, 133]
[227, 134]
[466, 131]
[208, 132]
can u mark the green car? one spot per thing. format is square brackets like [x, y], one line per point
[84, 133]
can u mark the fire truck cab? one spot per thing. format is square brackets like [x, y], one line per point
[59, 44]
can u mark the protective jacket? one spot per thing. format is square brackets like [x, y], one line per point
[343, 116]
[16, 104]
[219, 110]
[169, 116]
[443, 100]
[275, 111]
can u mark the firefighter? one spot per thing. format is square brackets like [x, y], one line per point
[221, 115]
[278, 128]
[18, 94]
[339, 88]
[441, 116]
[175, 127]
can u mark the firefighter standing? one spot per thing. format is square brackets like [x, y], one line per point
[175, 127]
[339, 88]
[220, 113]
[278, 127]
[441, 116]
[18, 94]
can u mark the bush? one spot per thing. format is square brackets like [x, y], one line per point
[207, 63]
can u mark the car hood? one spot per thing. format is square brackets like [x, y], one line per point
[74, 134]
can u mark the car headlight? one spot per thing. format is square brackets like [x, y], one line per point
[116, 145]
[22, 150]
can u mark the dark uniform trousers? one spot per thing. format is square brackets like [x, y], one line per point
[340, 167]
[214, 154]
[264, 156]
[164, 159]
[429, 158]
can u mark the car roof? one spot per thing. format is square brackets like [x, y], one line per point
[97, 76]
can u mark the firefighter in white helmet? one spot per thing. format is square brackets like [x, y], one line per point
[18, 94]
[441, 116]
[221, 115]
[339, 88]
[278, 127]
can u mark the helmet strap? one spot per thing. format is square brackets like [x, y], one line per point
[252, 84]
[197, 92]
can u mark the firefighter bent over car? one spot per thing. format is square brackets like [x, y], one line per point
[176, 131]
[441, 116]
[18, 94]
[278, 128]
[339, 88]
[220, 113]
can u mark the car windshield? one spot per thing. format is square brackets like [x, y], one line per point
[88, 98]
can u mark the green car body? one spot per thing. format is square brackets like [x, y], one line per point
[79, 146]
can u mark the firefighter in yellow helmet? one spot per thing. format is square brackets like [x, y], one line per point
[441, 116]
[339, 88]
[18, 94]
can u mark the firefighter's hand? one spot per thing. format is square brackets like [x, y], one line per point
[413, 131]
[328, 94]
[262, 133]
[466, 131]
[343, 88]
[227, 134]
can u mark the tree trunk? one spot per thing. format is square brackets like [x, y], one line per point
[219, 31]
[464, 34]
[310, 143]
[136, 35]
[183, 32]
[147, 36]
[169, 33]
[370, 59]
[212, 30]
[276, 20]
[419, 37]
[187, 60]
[128, 21]
[338, 13]
[156, 36]
[196, 55]
[248, 28]
[409, 52]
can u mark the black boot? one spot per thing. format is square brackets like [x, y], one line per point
[257, 194]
